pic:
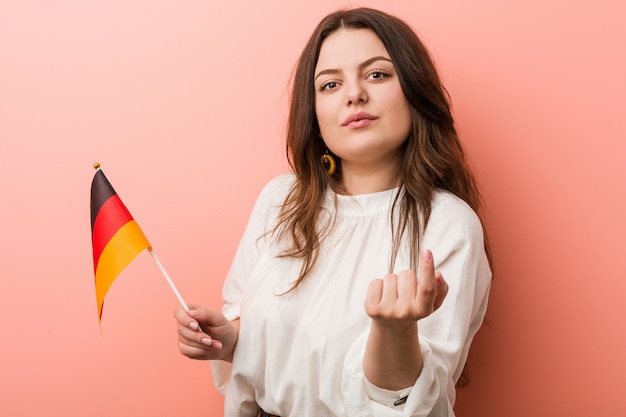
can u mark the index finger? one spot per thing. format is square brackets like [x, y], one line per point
[183, 317]
[426, 282]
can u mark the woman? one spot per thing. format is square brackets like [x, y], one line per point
[335, 304]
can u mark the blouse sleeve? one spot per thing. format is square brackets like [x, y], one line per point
[261, 221]
[455, 237]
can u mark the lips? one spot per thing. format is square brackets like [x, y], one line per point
[359, 119]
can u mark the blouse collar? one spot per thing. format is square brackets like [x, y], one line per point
[362, 204]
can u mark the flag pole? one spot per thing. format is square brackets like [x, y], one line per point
[168, 279]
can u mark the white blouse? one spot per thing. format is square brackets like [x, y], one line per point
[300, 353]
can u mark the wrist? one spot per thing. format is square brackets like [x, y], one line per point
[394, 328]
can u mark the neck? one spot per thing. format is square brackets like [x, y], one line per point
[367, 180]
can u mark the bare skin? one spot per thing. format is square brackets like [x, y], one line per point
[206, 334]
[393, 358]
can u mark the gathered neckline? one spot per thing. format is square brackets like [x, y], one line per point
[362, 204]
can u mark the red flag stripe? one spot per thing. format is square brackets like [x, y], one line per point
[119, 251]
[112, 215]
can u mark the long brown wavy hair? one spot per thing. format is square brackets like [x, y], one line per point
[433, 156]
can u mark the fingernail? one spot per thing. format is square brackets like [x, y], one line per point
[440, 281]
[193, 313]
[217, 345]
[427, 255]
[206, 341]
[193, 325]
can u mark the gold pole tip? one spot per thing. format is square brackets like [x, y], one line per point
[96, 166]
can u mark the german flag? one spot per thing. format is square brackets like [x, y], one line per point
[116, 237]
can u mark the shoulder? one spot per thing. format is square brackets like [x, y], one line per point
[454, 229]
[274, 193]
[282, 181]
[268, 203]
[277, 189]
[450, 212]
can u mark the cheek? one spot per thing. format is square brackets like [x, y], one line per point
[319, 109]
[402, 113]
[407, 119]
[323, 114]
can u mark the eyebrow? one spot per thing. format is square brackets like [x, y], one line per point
[361, 65]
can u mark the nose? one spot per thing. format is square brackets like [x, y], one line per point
[356, 93]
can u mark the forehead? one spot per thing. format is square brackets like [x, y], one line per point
[349, 47]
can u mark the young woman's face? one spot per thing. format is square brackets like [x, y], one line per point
[363, 115]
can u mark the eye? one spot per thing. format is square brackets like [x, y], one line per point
[329, 85]
[377, 74]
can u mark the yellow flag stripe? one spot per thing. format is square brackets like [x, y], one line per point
[123, 247]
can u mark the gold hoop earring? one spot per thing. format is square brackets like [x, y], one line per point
[328, 162]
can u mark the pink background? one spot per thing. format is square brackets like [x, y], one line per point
[184, 104]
